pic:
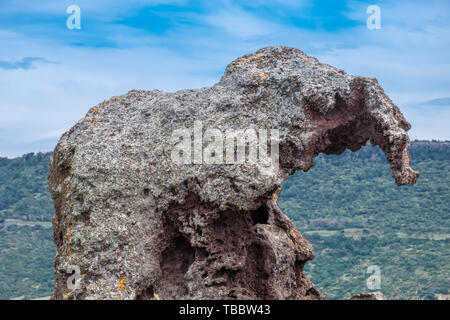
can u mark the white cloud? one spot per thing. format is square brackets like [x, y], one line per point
[240, 23]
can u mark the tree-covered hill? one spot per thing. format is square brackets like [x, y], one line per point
[354, 214]
[26, 242]
[347, 206]
[24, 188]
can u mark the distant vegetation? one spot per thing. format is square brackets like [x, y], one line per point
[347, 206]
[354, 215]
[26, 261]
[26, 240]
[23, 188]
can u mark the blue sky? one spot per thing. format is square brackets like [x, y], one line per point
[50, 75]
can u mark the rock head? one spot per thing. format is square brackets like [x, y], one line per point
[143, 210]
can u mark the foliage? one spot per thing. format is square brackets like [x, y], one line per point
[24, 190]
[354, 215]
[26, 261]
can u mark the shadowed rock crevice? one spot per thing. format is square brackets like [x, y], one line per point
[139, 225]
[146, 294]
[225, 254]
[175, 261]
[260, 215]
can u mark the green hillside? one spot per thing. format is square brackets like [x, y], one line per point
[24, 192]
[26, 241]
[347, 206]
[354, 215]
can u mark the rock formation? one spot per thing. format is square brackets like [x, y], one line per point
[140, 225]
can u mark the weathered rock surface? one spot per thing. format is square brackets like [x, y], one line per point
[139, 225]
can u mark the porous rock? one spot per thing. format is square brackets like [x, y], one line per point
[139, 226]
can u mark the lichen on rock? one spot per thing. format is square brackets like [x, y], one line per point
[142, 226]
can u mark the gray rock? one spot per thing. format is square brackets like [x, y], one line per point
[138, 225]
